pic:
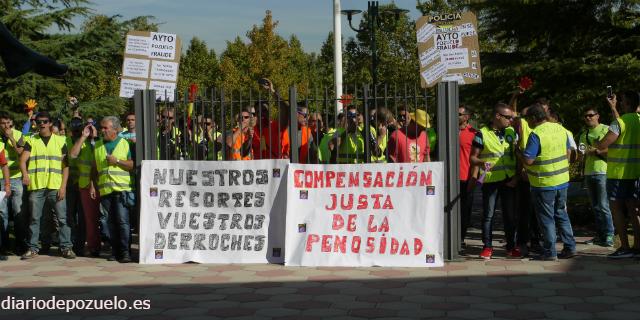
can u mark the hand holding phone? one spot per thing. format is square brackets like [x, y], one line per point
[609, 92]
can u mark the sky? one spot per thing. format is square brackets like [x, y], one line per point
[218, 21]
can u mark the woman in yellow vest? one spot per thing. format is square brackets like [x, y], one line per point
[46, 179]
[622, 146]
[546, 159]
[113, 164]
[492, 152]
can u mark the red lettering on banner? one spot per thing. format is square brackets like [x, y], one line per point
[338, 222]
[412, 179]
[370, 244]
[383, 244]
[376, 203]
[296, 178]
[311, 239]
[366, 176]
[340, 180]
[354, 179]
[394, 245]
[349, 204]
[387, 203]
[378, 182]
[371, 227]
[355, 244]
[384, 226]
[308, 179]
[351, 222]
[318, 179]
[340, 244]
[417, 246]
[405, 248]
[400, 179]
[334, 202]
[425, 179]
[326, 247]
[362, 202]
[390, 176]
[330, 175]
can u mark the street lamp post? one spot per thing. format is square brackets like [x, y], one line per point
[373, 24]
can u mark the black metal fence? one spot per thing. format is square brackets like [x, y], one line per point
[200, 128]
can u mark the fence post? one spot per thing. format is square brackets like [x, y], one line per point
[146, 125]
[367, 128]
[448, 153]
[223, 123]
[293, 124]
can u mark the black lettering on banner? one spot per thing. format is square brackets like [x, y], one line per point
[173, 180]
[262, 176]
[210, 220]
[234, 175]
[235, 221]
[224, 239]
[260, 243]
[184, 241]
[190, 174]
[197, 241]
[172, 241]
[223, 220]
[193, 222]
[247, 177]
[259, 199]
[214, 241]
[164, 220]
[193, 199]
[179, 195]
[159, 178]
[160, 241]
[207, 199]
[221, 173]
[237, 196]
[247, 243]
[209, 181]
[259, 221]
[179, 224]
[248, 221]
[222, 200]
[236, 242]
[247, 199]
[163, 199]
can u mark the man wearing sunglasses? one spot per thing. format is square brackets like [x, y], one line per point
[46, 179]
[492, 153]
[594, 169]
[12, 141]
[348, 145]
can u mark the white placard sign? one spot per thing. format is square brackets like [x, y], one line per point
[425, 33]
[456, 58]
[365, 215]
[138, 45]
[434, 73]
[128, 86]
[212, 211]
[163, 46]
[429, 56]
[164, 70]
[164, 90]
[137, 68]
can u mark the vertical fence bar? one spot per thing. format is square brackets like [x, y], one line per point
[293, 124]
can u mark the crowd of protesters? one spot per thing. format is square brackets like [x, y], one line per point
[78, 182]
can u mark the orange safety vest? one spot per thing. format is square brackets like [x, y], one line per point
[236, 150]
[304, 144]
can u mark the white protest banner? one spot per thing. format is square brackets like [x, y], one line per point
[138, 45]
[164, 90]
[365, 215]
[137, 68]
[212, 211]
[164, 70]
[128, 86]
[163, 46]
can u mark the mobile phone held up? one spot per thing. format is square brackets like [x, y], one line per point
[609, 92]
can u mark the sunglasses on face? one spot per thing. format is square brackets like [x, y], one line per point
[246, 117]
[165, 117]
[131, 119]
[303, 114]
[207, 123]
[462, 114]
[506, 117]
[590, 115]
[42, 121]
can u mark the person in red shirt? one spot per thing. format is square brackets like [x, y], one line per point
[410, 143]
[467, 133]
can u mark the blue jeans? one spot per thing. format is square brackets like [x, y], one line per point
[75, 216]
[118, 222]
[19, 215]
[597, 189]
[551, 210]
[490, 194]
[37, 200]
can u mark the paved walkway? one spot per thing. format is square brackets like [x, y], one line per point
[587, 287]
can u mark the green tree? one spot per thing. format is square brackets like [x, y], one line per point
[198, 65]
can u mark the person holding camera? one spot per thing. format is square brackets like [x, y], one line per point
[594, 170]
[348, 145]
